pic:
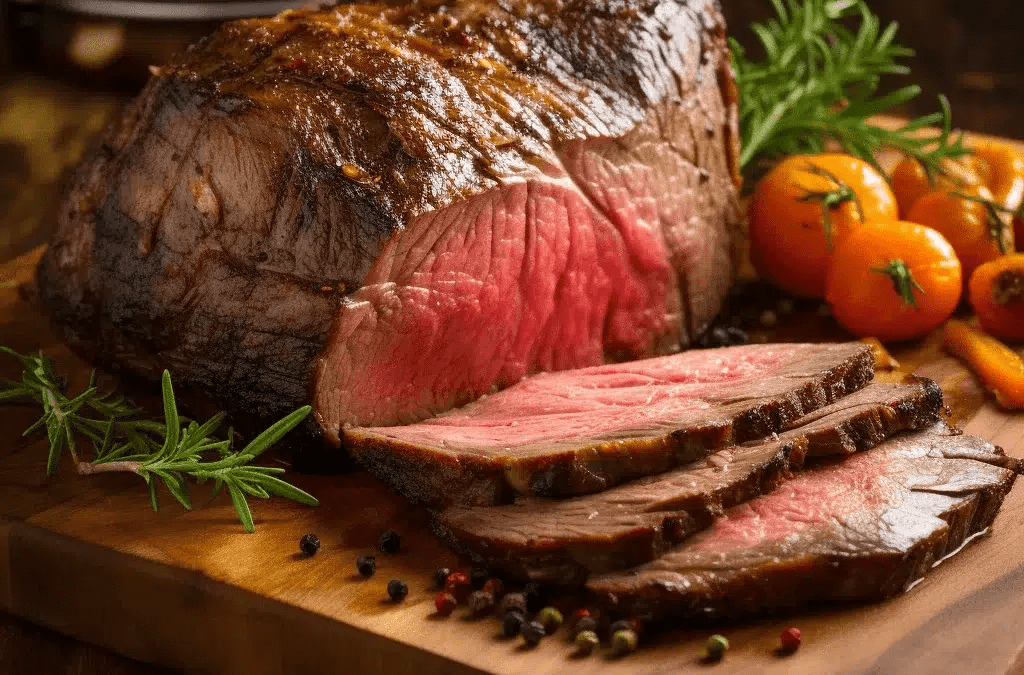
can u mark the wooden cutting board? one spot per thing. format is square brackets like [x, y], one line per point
[87, 557]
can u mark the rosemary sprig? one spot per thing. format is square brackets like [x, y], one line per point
[820, 82]
[165, 452]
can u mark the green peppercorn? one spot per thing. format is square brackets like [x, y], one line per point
[309, 544]
[623, 642]
[717, 646]
[533, 631]
[512, 624]
[586, 642]
[397, 590]
[585, 624]
[550, 618]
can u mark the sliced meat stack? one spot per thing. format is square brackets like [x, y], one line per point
[856, 530]
[585, 430]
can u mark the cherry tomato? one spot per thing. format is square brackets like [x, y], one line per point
[803, 207]
[910, 181]
[1001, 169]
[893, 281]
[997, 294]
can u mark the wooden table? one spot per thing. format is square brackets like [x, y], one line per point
[86, 557]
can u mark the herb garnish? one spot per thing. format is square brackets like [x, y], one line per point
[819, 82]
[168, 452]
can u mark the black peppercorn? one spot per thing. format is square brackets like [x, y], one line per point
[621, 624]
[587, 623]
[480, 603]
[536, 597]
[533, 631]
[309, 544]
[366, 565]
[478, 577]
[513, 602]
[513, 623]
[441, 576]
[397, 590]
[737, 336]
[390, 542]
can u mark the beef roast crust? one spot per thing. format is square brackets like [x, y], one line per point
[921, 496]
[251, 186]
[565, 541]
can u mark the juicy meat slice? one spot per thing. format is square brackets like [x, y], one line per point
[393, 208]
[859, 529]
[582, 431]
[563, 541]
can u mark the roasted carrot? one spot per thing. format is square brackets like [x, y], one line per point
[1000, 369]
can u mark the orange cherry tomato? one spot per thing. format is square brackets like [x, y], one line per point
[1018, 229]
[803, 207]
[893, 281]
[910, 181]
[1001, 169]
[979, 233]
[997, 295]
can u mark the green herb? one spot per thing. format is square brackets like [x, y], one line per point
[820, 82]
[168, 452]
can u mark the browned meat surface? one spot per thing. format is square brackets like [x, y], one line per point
[392, 209]
[854, 530]
[563, 541]
[582, 431]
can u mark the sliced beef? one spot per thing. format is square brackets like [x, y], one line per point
[859, 529]
[582, 431]
[393, 208]
[563, 541]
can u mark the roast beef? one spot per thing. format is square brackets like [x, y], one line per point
[394, 208]
[563, 541]
[582, 431]
[859, 529]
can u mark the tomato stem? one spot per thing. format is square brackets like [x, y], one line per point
[997, 227]
[831, 199]
[903, 281]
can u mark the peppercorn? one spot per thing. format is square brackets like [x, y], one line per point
[441, 576]
[717, 646]
[737, 336]
[550, 618]
[480, 603]
[495, 587]
[718, 337]
[633, 624]
[586, 642]
[536, 597]
[533, 631]
[309, 544]
[390, 542]
[512, 624]
[366, 565]
[791, 640]
[513, 602]
[587, 623]
[477, 578]
[397, 590]
[458, 585]
[445, 603]
[623, 642]
[580, 614]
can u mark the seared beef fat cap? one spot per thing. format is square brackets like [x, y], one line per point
[254, 183]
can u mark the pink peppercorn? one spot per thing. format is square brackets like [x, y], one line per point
[791, 639]
[445, 603]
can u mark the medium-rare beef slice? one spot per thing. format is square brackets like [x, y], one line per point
[856, 530]
[564, 541]
[582, 431]
[394, 208]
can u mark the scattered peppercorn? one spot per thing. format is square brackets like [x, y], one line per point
[737, 336]
[533, 631]
[366, 565]
[480, 603]
[458, 585]
[397, 590]
[513, 623]
[536, 597]
[309, 544]
[580, 614]
[513, 602]
[550, 618]
[390, 542]
[587, 623]
[623, 642]
[632, 624]
[441, 576]
[791, 640]
[586, 642]
[495, 587]
[445, 603]
[717, 646]
[718, 337]
[477, 578]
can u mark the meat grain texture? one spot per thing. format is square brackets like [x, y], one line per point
[392, 209]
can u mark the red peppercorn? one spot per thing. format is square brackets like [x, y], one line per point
[791, 639]
[580, 614]
[445, 603]
[458, 585]
[495, 587]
